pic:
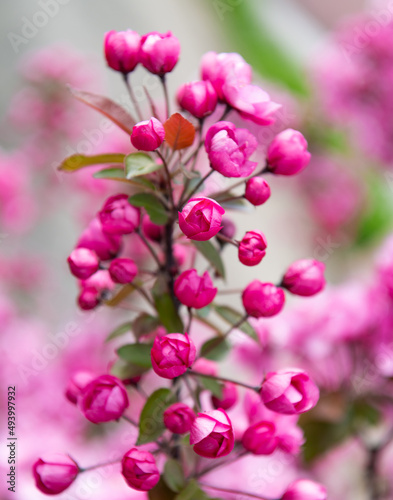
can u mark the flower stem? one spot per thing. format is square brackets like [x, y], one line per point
[199, 184]
[151, 249]
[165, 87]
[222, 379]
[227, 240]
[98, 466]
[132, 95]
[168, 177]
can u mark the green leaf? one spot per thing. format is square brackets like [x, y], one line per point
[110, 173]
[215, 349]
[212, 385]
[212, 255]
[166, 308]
[152, 205]
[192, 492]
[161, 492]
[122, 294]
[174, 475]
[123, 370]
[144, 324]
[120, 330]
[77, 161]
[231, 316]
[138, 354]
[140, 164]
[151, 424]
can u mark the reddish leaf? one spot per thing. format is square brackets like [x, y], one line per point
[107, 107]
[179, 132]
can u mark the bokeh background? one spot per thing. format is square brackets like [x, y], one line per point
[308, 54]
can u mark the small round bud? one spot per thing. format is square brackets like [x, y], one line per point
[139, 470]
[287, 153]
[178, 418]
[257, 191]
[123, 270]
[262, 299]
[212, 434]
[54, 473]
[252, 248]
[89, 298]
[152, 231]
[305, 277]
[193, 290]
[260, 438]
[201, 218]
[304, 489]
[148, 135]
[198, 98]
[228, 228]
[76, 384]
[172, 354]
[122, 50]
[228, 398]
[159, 53]
[83, 263]
[118, 216]
[103, 399]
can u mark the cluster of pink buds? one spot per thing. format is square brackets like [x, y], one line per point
[162, 204]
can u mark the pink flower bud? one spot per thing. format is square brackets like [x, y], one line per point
[252, 248]
[76, 384]
[148, 135]
[105, 245]
[205, 366]
[305, 277]
[251, 102]
[83, 262]
[54, 473]
[139, 469]
[118, 216]
[172, 354]
[212, 434]
[178, 418]
[287, 153]
[289, 392]
[304, 489]
[159, 53]
[220, 68]
[103, 399]
[229, 149]
[260, 438]
[262, 299]
[201, 218]
[198, 98]
[101, 281]
[89, 298]
[193, 290]
[151, 230]
[257, 191]
[228, 398]
[122, 50]
[123, 270]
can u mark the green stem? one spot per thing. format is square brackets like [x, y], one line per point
[165, 88]
[189, 195]
[132, 96]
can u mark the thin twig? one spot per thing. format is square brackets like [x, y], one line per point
[132, 96]
[165, 87]
[223, 379]
[168, 177]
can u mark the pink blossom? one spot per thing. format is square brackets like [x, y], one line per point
[122, 50]
[220, 68]
[123, 270]
[305, 277]
[159, 53]
[201, 218]
[198, 98]
[252, 248]
[304, 489]
[289, 392]
[54, 473]
[262, 299]
[193, 290]
[251, 102]
[287, 153]
[260, 438]
[172, 354]
[212, 434]
[178, 418]
[228, 398]
[229, 149]
[103, 399]
[76, 384]
[83, 263]
[257, 191]
[148, 135]
[118, 216]
[94, 237]
[139, 469]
